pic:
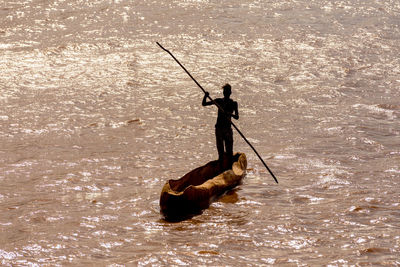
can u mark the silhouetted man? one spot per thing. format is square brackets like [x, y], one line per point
[223, 129]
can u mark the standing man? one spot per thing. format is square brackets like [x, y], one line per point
[227, 108]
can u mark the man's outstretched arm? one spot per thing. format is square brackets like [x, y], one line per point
[205, 102]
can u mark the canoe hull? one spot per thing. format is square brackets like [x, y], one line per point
[195, 191]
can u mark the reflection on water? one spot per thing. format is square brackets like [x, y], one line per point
[94, 118]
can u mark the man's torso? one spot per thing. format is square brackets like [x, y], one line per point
[228, 105]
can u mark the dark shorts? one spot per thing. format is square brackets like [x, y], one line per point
[224, 138]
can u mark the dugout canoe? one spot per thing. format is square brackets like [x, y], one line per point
[195, 191]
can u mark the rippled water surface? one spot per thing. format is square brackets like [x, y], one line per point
[95, 118]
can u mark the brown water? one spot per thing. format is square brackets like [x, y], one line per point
[95, 117]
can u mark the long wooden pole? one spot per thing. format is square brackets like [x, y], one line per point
[215, 103]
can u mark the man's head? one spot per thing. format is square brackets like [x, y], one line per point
[227, 90]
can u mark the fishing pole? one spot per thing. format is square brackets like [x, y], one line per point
[219, 107]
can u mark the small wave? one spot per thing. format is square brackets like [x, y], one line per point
[363, 209]
[114, 124]
[392, 170]
[389, 106]
[374, 250]
[8, 255]
[285, 156]
[307, 199]
[208, 252]
[380, 109]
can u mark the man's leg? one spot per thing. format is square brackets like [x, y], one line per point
[219, 136]
[229, 144]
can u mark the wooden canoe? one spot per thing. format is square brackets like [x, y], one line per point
[195, 191]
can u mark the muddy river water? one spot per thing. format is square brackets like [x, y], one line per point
[95, 117]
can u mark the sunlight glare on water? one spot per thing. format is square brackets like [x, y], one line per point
[95, 118]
